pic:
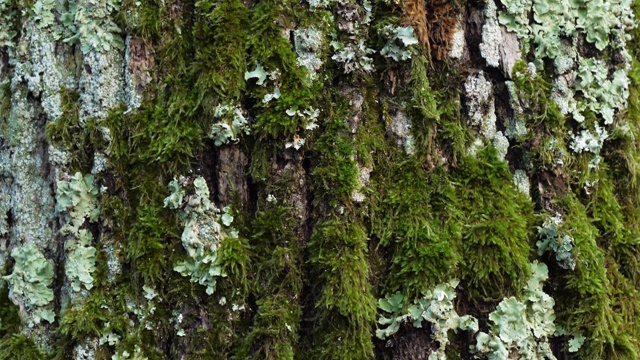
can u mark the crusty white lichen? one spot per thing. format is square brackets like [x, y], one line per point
[482, 114]
[458, 42]
[364, 172]
[400, 128]
[521, 181]
[491, 35]
[308, 43]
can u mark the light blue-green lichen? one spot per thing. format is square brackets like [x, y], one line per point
[77, 200]
[308, 118]
[576, 342]
[353, 56]
[589, 141]
[551, 240]
[600, 94]
[205, 228]
[258, 73]
[81, 261]
[399, 40]
[29, 284]
[521, 326]
[436, 307]
[351, 50]
[93, 27]
[231, 124]
[319, 4]
[584, 83]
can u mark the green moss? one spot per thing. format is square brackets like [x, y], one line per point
[276, 323]
[9, 313]
[274, 52]
[345, 307]
[219, 64]
[419, 220]
[147, 244]
[586, 300]
[20, 347]
[497, 226]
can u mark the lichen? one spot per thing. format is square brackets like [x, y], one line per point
[521, 325]
[482, 113]
[81, 263]
[231, 124]
[436, 307]
[77, 198]
[398, 42]
[205, 228]
[29, 284]
[308, 43]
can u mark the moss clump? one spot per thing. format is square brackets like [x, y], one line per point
[586, 300]
[78, 138]
[497, 225]
[275, 53]
[278, 283]
[338, 250]
[345, 306]
[220, 32]
[20, 347]
[419, 220]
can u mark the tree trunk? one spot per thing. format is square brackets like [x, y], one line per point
[319, 179]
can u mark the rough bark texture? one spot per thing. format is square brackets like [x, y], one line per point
[319, 179]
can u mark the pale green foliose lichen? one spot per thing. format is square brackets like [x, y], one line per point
[436, 307]
[92, 25]
[560, 245]
[353, 56]
[258, 73]
[231, 124]
[29, 284]
[353, 52]
[205, 228]
[125, 355]
[521, 326]
[308, 118]
[399, 39]
[81, 262]
[77, 199]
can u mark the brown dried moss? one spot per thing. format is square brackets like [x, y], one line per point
[434, 22]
